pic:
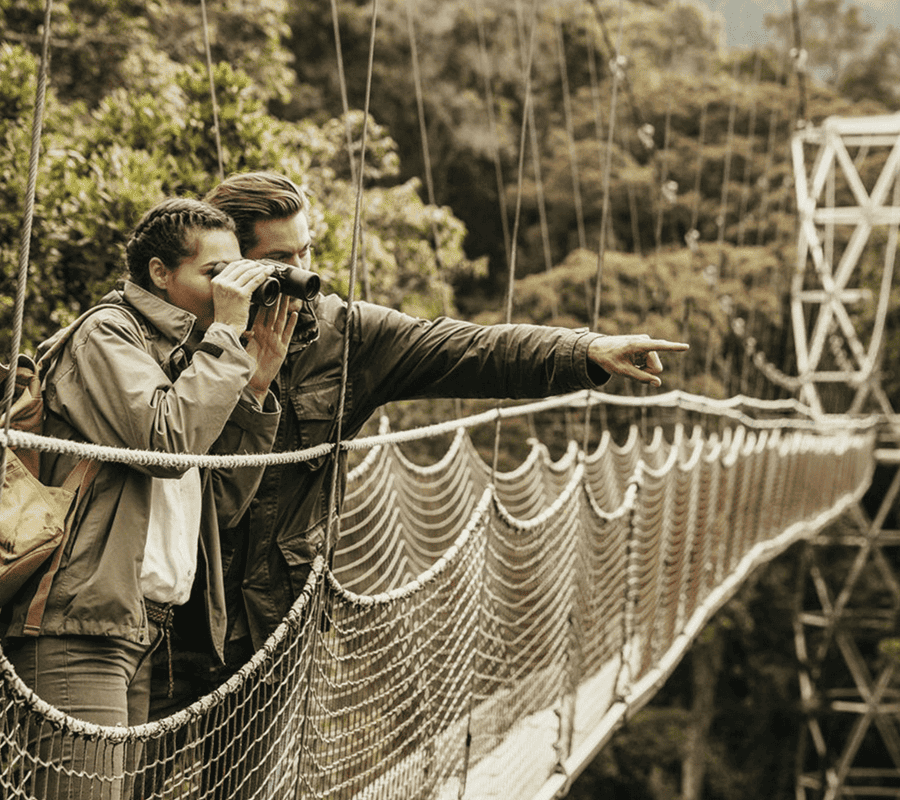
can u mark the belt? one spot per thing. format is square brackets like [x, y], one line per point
[162, 614]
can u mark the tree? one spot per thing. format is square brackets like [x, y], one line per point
[102, 168]
[877, 76]
[832, 36]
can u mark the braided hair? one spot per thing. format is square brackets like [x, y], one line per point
[253, 196]
[164, 232]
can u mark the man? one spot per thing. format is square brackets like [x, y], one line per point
[392, 356]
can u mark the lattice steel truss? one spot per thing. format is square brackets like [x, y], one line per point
[847, 176]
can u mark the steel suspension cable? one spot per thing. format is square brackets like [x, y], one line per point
[426, 152]
[212, 90]
[348, 132]
[429, 170]
[774, 115]
[721, 218]
[536, 161]
[664, 177]
[800, 57]
[527, 118]
[342, 81]
[332, 518]
[37, 125]
[330, 534]
[492, 123]
[523, 136]
[570, 126]
[617, 74]
[751, 133]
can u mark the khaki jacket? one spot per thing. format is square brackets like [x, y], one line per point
[146, 380]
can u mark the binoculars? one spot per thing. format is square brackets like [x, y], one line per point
[286, 279]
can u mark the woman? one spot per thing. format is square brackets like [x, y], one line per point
[165, 371]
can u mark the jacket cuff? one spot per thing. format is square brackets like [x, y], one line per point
[248, 411]
[590, 374]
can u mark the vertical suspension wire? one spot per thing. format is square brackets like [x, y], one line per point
[332, 519]
[617, 69]
[492, 126]
[573, 159]
[774, 115]
[332, 529]
[745, 363]
[37, 124]
[342, 81]
[751, 135]
[664, 177]
[511, 274]
[536, 162]
[769, 330]
[570, 126]
[721, 224]
[721, 217]
[212, 90]
[694, 232]
[348, 135]
[692, 238]
[598, 134]
[800, 58]
[770, 386]
[527, 119]
[429, 170]
[611, 48]
[423, 133]
[617, 74]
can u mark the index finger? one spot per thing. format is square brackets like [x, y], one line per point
[662, 344]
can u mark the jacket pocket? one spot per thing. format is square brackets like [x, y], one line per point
[316, 410]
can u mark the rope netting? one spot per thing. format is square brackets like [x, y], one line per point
[476, 637]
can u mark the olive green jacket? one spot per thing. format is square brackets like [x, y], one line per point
[392, 356]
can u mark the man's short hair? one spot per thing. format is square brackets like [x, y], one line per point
[165, 232]
[249, 197]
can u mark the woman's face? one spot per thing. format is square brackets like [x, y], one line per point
[188, 287]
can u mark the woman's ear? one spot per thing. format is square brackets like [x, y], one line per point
[159, 274]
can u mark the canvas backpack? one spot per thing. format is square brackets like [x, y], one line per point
[35, 519]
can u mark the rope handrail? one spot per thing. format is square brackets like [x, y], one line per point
[583, 399]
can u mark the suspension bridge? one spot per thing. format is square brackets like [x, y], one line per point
[483, 633]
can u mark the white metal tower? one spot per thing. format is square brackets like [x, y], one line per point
[847, 175]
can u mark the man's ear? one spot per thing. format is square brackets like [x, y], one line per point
[159, 274]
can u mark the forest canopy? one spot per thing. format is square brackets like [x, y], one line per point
[698, 153]
[625, 162]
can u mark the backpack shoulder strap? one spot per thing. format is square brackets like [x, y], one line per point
[78, 480]
[58, 341]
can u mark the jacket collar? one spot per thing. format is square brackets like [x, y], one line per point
[173, 323]
[177, 324]
[307, 330]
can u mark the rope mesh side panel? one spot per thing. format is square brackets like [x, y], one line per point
[532, 632]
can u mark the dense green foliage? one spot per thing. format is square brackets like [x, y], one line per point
[699, 153]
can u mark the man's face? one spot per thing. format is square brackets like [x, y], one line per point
[285, 240]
